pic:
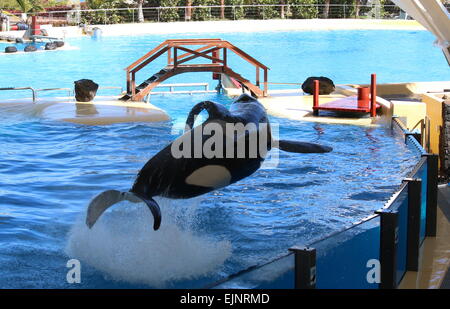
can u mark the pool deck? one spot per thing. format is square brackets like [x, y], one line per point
[227, 26]
[296, 105]
[102, 111]
[435, 251]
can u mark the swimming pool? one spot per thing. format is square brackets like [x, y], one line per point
[50, 171]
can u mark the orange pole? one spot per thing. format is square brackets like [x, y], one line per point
[316, 98]
[373, 95]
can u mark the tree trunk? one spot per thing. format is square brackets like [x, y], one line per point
[188, 12]
[222, 9]
[140, 11]
[357, 6]
[326, 9]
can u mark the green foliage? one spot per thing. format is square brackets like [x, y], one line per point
[265, 12]
[170, 14]
[237, 12]
[30, 6]
[102, 17]
[303, 8]
[202, 13]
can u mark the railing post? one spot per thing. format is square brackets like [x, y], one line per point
[128, 82]
[373, 95]
[316, 98]
[133, 83]
[432, 186]
[265, 82]
[388, 248]
[216, 54]
[305, 267]
[413, 231]
[392, 121]
[175, 57]
[257, 76]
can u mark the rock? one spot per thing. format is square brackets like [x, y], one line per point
[59, 43]
[85, 90]
[10, 49]
[50, 46]
[30, 48]
[326, 85]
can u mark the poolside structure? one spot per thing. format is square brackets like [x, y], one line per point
[354, 104]
[176, 64]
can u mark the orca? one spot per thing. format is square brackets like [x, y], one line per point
[180, 171]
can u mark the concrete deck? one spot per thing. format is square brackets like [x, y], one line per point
[435, 251]
[102, 111]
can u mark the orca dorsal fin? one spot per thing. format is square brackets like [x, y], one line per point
[215, 111]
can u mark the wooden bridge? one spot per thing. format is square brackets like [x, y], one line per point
[179, 52]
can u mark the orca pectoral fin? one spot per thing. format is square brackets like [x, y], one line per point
[302, 147]
[108, 198]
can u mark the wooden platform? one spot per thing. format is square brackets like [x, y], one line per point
[348, 104]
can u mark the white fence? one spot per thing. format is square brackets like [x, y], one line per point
[217, 12]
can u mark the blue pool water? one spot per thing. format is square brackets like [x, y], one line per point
[50, 171]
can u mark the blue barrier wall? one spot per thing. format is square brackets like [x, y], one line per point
[351, 258]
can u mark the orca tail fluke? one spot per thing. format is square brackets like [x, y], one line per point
[108, 198]
[302, 147]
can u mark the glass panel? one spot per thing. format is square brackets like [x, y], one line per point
[343, 259]
[401, 206]
[275, 275]
[414, 145]
[422, 174]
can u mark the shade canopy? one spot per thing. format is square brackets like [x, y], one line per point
[433, 16]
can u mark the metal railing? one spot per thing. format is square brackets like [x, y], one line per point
[70, 91]
[218, 12]
[183, 85]
[375, 252]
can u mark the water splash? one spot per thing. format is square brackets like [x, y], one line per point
[123, 245]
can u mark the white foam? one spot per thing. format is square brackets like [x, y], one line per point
[124, 245]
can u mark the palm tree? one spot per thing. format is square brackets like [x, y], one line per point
[357, 5]
[140, 11]
[188, 12]
[31, 7]
[326, 8]
[222, 9]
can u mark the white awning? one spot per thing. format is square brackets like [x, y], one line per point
[432, 15]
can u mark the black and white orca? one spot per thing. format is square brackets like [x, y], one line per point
[176, 176]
